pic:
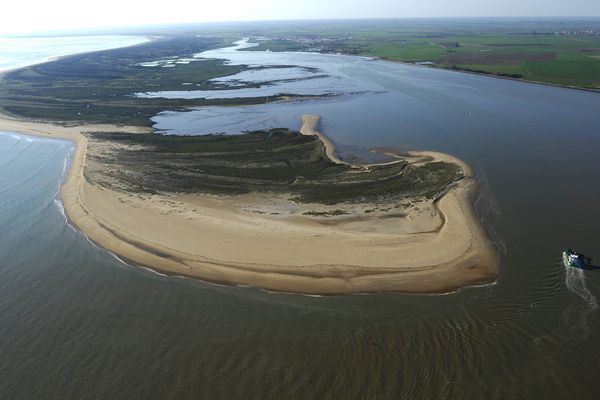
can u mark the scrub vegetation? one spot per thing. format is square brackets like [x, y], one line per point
[277, 160]
[97, 87]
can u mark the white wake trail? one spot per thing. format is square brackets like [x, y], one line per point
[575, 281]
[576, 315]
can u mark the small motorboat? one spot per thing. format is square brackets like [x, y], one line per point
[573, 259]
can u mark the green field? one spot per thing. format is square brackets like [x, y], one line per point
[525, 49]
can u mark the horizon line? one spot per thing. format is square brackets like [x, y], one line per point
[330, 19]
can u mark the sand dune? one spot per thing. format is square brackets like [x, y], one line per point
[438, 249]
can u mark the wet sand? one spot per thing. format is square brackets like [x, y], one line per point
[438, 248]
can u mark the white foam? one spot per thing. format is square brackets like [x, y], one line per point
[575, 281]
[60, 208]
[12, 135]
[576, 315]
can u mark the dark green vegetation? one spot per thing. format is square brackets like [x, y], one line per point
[334, 213]
[563, 52]
[96, 87]
[265, 161]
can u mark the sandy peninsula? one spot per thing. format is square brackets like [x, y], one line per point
[435, 246]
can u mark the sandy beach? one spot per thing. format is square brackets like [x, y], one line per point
[436, 247]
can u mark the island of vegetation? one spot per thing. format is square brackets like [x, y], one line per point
[272, 209]
[276, 209]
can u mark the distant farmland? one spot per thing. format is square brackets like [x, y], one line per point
[557, 52]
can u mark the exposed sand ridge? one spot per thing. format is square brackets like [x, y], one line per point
[437, 249]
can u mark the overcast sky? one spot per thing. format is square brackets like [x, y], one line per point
[43, 15]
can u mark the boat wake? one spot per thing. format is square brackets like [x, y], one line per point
[576, 316]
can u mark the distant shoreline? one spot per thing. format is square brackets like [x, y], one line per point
[449, 69]
[492, 75]
[50, 59]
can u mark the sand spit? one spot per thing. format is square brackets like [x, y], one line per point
[438, 248]
[310, 125]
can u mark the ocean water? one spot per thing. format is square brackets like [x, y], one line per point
[77, 323]
[18, 52]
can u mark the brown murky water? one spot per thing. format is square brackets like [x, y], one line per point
[76, 323]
